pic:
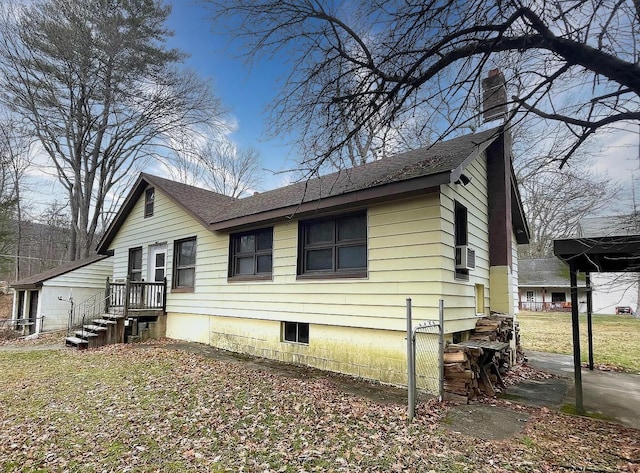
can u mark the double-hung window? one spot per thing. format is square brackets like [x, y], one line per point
[461, 235]
[135, 264]
[184, 264]
[251, 254]
[149, 199]
[333, 247]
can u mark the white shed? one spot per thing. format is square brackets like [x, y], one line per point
[42, 301]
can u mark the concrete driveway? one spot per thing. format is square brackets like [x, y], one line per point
[613, 395]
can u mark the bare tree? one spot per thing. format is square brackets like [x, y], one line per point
[232, 171]
[100, 90]
[15, 153]
[217, 164]
[555, 200]
[385, 62]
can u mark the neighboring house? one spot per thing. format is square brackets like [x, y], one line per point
[544, 286]
[544, 282]
[612, 290]
[318, 272]
[41, 302]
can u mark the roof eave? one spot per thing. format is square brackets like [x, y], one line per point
[138, 188]
[37, 285]
[125, 209]
[362, 197]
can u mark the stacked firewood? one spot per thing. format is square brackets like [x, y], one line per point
[461, 373]
[474, 371]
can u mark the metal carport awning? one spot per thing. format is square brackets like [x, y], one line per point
[612, 254]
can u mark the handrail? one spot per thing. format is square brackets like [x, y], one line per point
[88, 310]
[120, 297]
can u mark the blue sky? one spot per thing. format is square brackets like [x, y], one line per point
[246, 91]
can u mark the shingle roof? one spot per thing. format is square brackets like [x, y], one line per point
[442, 157]
[543, 272]
[203, 204]
[37, 279]
[410, 172]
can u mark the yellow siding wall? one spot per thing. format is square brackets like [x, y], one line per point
[357, 326]
[459, 295]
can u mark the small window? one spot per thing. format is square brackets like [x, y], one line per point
[135, 264]
[558, 297]
[251, 254]
[480, 299]
[184, 263]
[460, 230]
[335, 247]
[295, 332]
[149, 197]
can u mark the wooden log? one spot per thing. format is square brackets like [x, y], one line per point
[466, 374]
[485, 383]
[454, 347]
[456, 398]
[454, 368]
[455, 357]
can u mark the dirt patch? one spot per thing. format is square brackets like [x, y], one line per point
[486, 422]
[359, 387]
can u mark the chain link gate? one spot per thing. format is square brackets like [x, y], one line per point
[425, 348]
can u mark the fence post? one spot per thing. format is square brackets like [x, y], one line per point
[441, 349]
[411, 379]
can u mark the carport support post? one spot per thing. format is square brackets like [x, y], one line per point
[589, 321]
[575, 323]
[411, 380]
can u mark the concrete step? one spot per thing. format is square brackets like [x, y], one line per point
[95, 328]
[105, 322]
[76, 341]
[85, 334]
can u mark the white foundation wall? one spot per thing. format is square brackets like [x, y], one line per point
[368, 353]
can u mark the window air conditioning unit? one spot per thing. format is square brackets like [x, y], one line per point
[465, 257]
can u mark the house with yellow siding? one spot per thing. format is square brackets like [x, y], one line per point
[318, 272]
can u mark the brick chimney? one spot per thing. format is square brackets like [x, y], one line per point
[494, 96]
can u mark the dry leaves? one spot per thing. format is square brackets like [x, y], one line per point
[139, 410]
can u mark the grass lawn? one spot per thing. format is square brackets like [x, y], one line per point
[616, 338]
[131, 409]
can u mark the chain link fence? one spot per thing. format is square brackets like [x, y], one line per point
[425, 344]
[426, 340]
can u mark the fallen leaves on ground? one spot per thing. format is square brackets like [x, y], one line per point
[128, 409]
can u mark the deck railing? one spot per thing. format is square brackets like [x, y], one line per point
[545, 306]
[119, 297]
[137, 295]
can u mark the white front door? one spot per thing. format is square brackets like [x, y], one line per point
[156, 270]
[157, 263]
